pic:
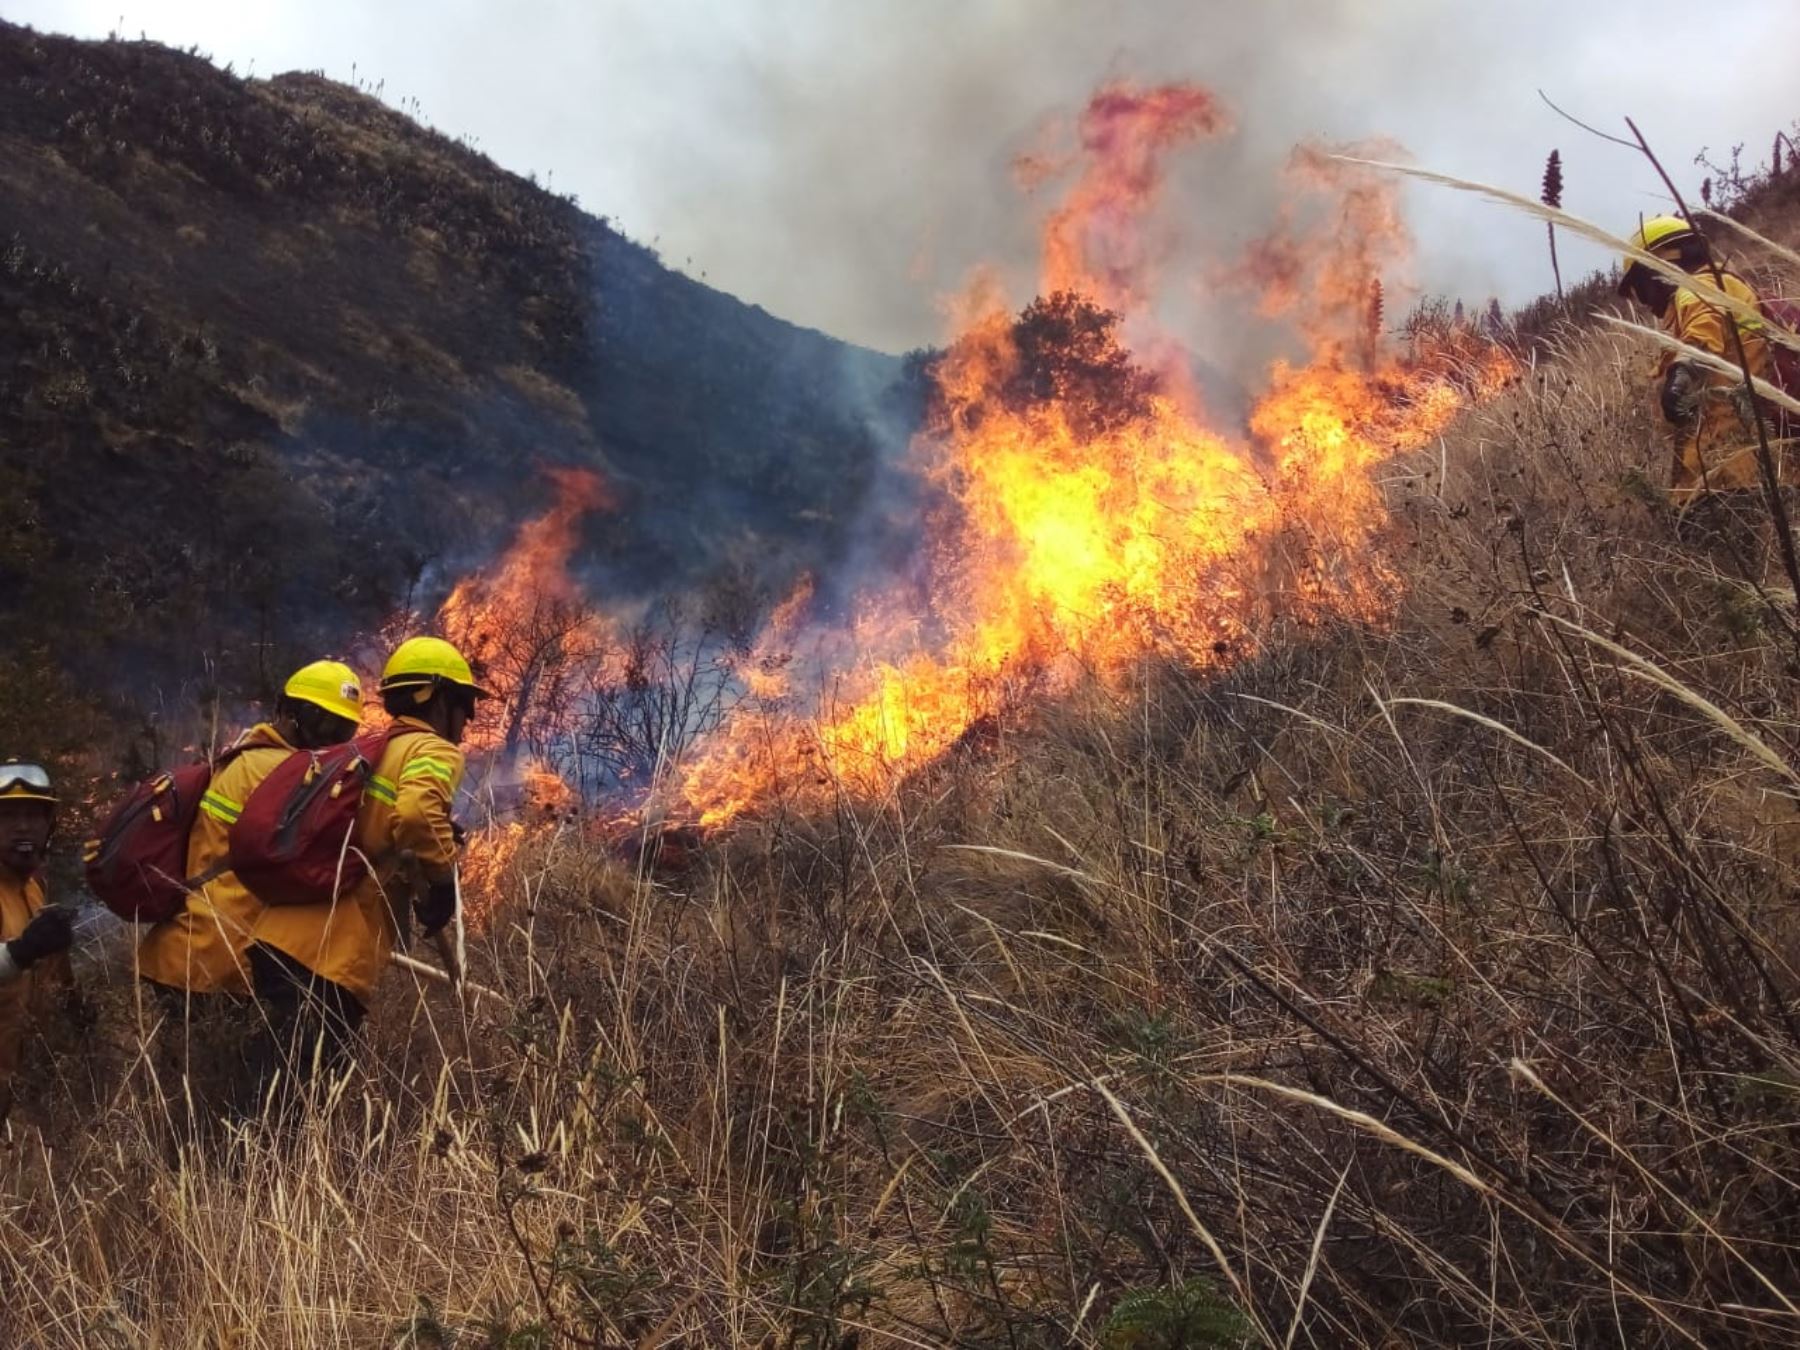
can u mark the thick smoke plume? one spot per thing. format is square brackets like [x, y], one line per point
[878, 133]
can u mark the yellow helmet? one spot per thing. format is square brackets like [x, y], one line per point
[330, 685]
[423, 660]
[1653, 236]
[25, 783]
[1660, 230]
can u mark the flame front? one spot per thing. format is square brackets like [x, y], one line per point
[1098, 520]
[530, 634]
[1089, 514]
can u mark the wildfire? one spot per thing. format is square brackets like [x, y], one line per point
[530, 633]
[525, 622]
[1092, 514]
[484, 867]
[490, 853]
[1098, 520]
[1094, 242]
[545, 791]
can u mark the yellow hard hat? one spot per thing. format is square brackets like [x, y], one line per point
[422, 660]
[25, 783]
[1652, 236]
[1660, 230]
[330, 685]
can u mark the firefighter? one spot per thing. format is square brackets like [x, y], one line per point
[315, 966]
[36, 934]
[200, 950]
[194, 963]
[1708, 411]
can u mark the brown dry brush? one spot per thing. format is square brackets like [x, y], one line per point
[1733, 186]
[1423, 985]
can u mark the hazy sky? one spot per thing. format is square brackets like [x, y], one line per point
[846, 162]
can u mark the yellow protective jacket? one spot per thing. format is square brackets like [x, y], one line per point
[201, 949]
[403, 824]
[20, 898]
[1721, 436]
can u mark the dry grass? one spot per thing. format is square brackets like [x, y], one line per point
[1405, 988]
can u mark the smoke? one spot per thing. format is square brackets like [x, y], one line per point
[893, 140]
[880, 136]
[845, 165]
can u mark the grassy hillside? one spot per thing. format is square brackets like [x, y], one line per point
[1425, 985]
[270, 352]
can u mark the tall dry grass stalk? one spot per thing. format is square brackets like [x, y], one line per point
[1700, 284]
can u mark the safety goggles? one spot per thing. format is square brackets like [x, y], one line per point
[24, 780]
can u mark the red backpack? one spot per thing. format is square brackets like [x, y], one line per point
[137, 864]
[293, 844]
[1785, 361]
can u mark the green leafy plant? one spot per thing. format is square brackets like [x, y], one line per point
[1186, 1316]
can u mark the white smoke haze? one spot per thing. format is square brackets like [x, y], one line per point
[846, 165]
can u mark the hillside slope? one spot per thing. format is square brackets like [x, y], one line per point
[1419, 983]
[270, 350]
[1428, 978]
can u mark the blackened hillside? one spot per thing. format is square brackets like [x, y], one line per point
[270, 352]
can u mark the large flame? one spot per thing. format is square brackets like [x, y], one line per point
[1097, 519]
[527, 628]
[1090, 515]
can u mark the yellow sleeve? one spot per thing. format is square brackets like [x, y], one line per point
[1698, 324]
[424, 799]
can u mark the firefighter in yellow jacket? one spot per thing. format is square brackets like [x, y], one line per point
[200, 950]
[315, 967]
[1708, 411]
[34, 935]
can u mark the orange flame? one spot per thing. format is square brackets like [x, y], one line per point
[489, 853]
[1098, 521]
[1094, 243]
[525, 626]
[484, 867]
[546, 793]
[509, 618]
[533, 570]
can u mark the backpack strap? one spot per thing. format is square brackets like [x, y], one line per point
[211, 874]
[371, 746]
[221, 867]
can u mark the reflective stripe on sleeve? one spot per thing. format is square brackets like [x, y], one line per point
[436, 768]
[221, 807]
[383, 789]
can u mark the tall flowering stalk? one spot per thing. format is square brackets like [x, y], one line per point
[1552, 197]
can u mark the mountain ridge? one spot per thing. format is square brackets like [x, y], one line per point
[321, 347]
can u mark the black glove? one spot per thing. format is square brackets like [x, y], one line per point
[437, 908]
[48, 932]
[1680, 393]
[458, 833]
